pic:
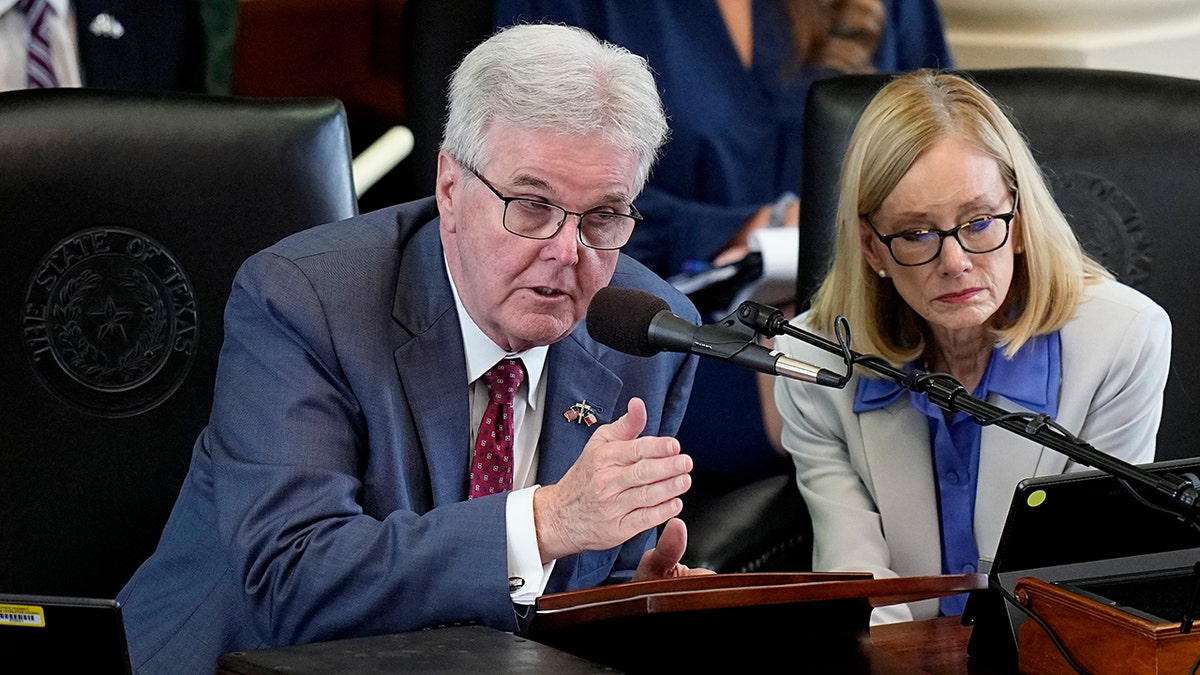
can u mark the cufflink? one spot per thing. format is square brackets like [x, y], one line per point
[515, 584]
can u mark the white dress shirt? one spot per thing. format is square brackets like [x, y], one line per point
[524, 556]
[14, 41]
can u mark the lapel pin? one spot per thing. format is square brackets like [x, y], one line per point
[582, 413]
[106, 25]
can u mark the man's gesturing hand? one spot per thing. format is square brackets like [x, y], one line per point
[619, 486]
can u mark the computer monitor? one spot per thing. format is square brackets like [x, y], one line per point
[1073, 527]
[61, 634]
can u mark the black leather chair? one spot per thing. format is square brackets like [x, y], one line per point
[1120, 152]
[125, 217]
[762, 526]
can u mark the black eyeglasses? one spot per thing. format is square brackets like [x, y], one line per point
[920, 246]
[535, 219]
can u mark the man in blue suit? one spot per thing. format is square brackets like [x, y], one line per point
[328, 497]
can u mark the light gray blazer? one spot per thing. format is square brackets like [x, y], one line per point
[868, 479]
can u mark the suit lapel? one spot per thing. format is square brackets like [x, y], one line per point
[437, 398]
[900, 465]
[562, 441]
[431, 363]
[1006, 459]
[589, 381]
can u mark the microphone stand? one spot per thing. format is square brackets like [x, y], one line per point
[1178, 494]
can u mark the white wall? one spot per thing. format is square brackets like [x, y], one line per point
[1154, 36]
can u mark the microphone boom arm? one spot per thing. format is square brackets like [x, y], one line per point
[730, 338]
[1178, 493]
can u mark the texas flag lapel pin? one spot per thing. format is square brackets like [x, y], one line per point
[582, 413]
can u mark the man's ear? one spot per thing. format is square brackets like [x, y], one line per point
[445, 188]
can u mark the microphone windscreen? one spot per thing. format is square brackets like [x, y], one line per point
[620, 318]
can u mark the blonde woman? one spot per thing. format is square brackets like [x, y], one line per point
[951, 256]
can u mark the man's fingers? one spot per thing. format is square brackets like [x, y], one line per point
[655, 469]
[672, 542]
[651, 494]
[622, 484]
[640, 520]
[628, 426]
[663, 560]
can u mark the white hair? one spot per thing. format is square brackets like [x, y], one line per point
[557, 78]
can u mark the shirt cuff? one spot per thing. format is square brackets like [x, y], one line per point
[527, 576]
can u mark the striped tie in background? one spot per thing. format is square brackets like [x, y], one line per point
[38, 69]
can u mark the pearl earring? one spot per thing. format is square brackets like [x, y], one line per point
[882, 273]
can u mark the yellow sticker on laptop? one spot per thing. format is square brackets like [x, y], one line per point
[22, 615]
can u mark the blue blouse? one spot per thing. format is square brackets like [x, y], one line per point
[1031, 379]
[735, 133]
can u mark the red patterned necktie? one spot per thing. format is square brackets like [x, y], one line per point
[492, 462]
[39, 69]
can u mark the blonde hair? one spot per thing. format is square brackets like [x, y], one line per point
[906, 117]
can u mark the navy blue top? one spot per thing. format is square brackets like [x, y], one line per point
[1031, 380]
[735, 132]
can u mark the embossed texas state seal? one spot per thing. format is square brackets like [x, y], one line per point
[109, 321]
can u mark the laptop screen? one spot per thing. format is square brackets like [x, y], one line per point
[40, 633]
[1076, 526]
[1086, 516]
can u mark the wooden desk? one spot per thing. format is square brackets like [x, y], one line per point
[721, 622]
[934, 646]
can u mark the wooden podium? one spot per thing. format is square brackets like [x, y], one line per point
[1100, 638]
[818, 620]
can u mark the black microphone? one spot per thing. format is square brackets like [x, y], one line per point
[638, 323]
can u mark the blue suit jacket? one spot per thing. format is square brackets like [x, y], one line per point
[326, 498]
